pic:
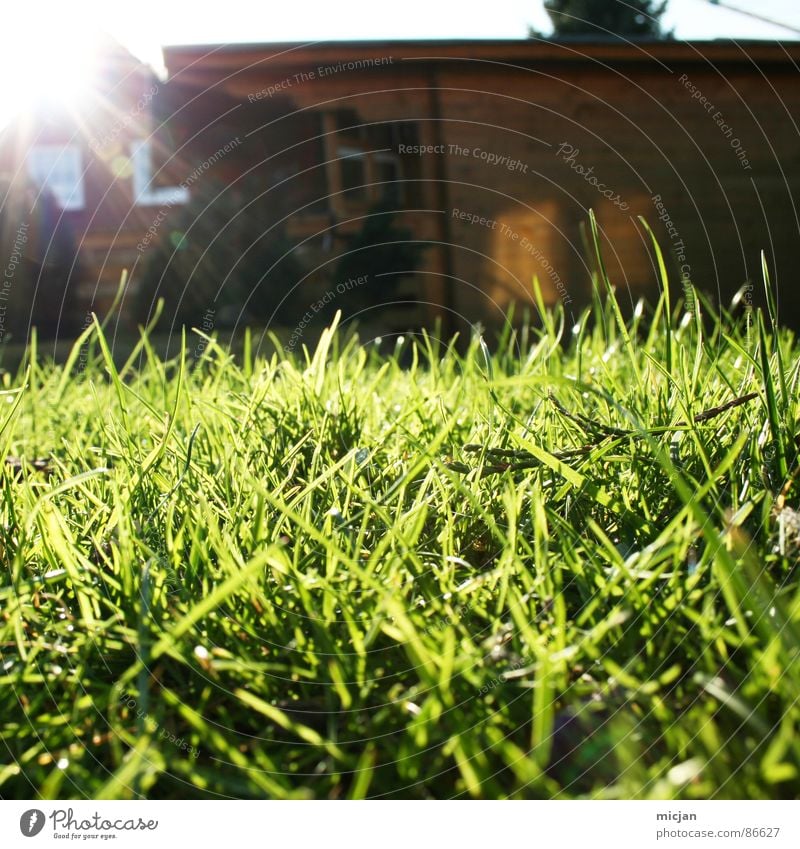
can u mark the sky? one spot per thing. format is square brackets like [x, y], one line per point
[46, 42]
[149, 23]
[143, 26]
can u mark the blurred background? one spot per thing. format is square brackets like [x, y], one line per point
[424, 165]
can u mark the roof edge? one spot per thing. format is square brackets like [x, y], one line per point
[231, 55]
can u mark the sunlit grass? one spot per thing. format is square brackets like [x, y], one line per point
[557, 566]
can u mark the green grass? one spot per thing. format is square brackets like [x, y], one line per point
[554, 567]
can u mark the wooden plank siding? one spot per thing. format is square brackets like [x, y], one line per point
[521, 139]
[627, 110]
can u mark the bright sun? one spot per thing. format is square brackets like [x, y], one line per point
[48, 60]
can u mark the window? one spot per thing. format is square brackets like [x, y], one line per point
[370, 168]
[387, 174]
[144, 192]
[353, 172]
[58, 169]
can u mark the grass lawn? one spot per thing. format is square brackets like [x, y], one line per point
[562, 567]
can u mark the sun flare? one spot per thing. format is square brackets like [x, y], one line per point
[51, 63]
